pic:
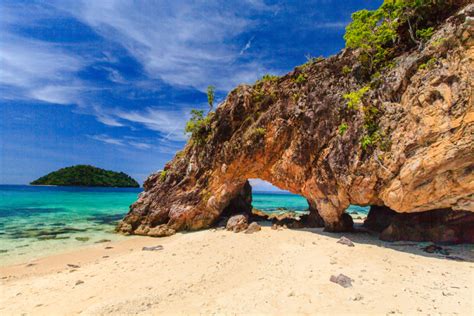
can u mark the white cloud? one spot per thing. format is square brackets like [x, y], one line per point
[329, 25]
[140, 145]
[169, 123]
[246, 47]
[107, 120]
[39, 69]
[182, 42]
[108, 140]
[121, 141]
[56, 94]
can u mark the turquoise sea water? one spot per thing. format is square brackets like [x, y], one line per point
[40, 220]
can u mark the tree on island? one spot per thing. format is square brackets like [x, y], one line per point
[85, 175]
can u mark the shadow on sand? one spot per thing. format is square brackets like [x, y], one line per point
[458, 252]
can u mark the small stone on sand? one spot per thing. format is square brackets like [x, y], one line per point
[345, 241]
[102, 240]
[153, 248]
[75, 266]
[82, 238]
[253, 227]
[342, 280]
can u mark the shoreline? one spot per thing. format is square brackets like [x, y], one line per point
[271, 271]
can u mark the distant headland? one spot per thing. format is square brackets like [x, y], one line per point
[85, 175]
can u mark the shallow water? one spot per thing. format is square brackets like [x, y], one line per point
[38, 220]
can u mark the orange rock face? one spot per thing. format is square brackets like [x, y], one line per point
[287, 131]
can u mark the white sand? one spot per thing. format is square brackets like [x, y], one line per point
[218, 272]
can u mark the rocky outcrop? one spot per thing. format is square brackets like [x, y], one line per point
[379, 218]
[297, 133]
[444, 226]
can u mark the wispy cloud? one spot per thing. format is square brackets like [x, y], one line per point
[139, 145]
[330, 25]
[108, 140]
[170, 123]
[179, 43]
[247, 46]
[182, 42]
[125, 141]
[57, 94]
[40, 71]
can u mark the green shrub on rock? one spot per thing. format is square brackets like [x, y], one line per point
[346, 70]
[268, 78]
[300, 79]
[425, 34]
[375, 32]
[199, 126]
[354, 98]
[260, 131]
[428, 65]
[343, 128]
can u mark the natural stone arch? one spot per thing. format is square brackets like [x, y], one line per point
[287, 131]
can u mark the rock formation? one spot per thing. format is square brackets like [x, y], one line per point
[298, 133]
[444, 226]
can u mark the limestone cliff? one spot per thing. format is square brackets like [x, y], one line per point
[298, 133]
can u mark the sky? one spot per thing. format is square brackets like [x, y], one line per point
[111, 83]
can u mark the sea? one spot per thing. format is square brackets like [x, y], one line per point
[37, 221]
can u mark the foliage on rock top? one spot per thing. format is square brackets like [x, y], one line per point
[199, 126]
[376, 33]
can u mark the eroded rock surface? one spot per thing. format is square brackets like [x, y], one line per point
[287, 131]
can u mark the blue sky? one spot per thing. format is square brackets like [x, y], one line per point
[111, 83]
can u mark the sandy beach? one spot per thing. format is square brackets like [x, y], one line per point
[219, 272]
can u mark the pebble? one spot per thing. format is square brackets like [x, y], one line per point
[358, 297]
[342, 280]
[253, 228]
[345, 241]
[79, 282]
[75, 266]
[102, 240]
[153, 248]
[82, 238]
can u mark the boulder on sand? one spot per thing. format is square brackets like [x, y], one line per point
[237, 223]
[253, 228]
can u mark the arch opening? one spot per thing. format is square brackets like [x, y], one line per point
[272, 200]
[260, 201]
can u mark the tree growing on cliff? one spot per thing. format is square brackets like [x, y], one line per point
[210, 96]
[198, 126]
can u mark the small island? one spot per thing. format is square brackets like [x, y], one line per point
[85, 175]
